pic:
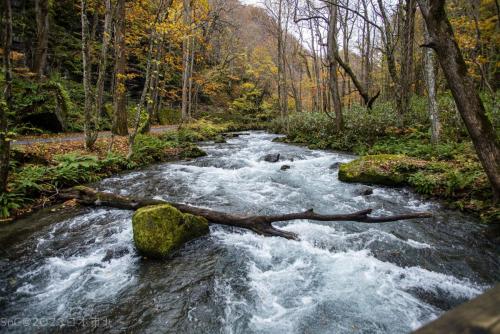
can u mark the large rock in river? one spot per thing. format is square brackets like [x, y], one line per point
[161, 229]
[385, 169]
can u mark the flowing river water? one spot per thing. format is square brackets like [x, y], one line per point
[78, 271]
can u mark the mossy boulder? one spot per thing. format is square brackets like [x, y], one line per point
[192, 152]
[384, 169]
[161, 229]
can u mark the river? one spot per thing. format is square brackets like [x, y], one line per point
[78, 271]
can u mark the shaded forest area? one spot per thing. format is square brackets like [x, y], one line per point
[410, 85]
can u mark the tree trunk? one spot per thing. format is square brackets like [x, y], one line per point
[103, 61]
[467, 99]
[332, 68]
[42, 37]
[186, 53]
[406, 75]
[190, 85]
[362, 90]
[430, 81]
[120, 122]
[90, 127]
[259, 224]
[5, 106]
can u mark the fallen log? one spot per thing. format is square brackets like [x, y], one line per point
[259, 224]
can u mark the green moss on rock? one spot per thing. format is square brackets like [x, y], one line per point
[161, 229]
[192, 151]
[384, 169]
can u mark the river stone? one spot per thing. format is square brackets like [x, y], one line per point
[285, 167]
[273, 157]
[192, 152]
[364, 191]
[335, 165]
[161, 229]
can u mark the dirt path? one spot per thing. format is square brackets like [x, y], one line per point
[79, 136]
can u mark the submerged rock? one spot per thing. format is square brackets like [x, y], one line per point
[159, 230]
[335, 165]
[273, 157]
[285, 167]
[115, 253]
[385, 169]
[364, 191]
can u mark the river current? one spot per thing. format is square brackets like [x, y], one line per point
[78, 271]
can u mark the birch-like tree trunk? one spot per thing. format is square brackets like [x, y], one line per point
[430, 82]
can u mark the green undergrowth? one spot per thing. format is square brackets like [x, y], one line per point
[396, 156]
[34, 180]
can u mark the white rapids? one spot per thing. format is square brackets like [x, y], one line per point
[341, 277]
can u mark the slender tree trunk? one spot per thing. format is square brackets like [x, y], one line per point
[362, 90]
[279, 57]
[406, 76]
[7, 95]
[106, 37]
[90, 127]
[120, 122]
[467, 99]
[190, 81]
[430, 81]
[42, 37]
[186, 62]
[295, 91]
[332, 67]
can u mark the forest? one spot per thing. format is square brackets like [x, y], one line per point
[357, 76]
[240, 114]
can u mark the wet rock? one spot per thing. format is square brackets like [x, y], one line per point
[285, 167]
[115, 253]
[192, 152]
[273, 157]
[335, 165]
[161, 229]
[235, 134]
[364, 191]
[219, 140]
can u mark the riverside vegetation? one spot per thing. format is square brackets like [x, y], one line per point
[394, 156]
[40, 170]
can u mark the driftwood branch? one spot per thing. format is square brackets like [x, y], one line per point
[259, 224]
